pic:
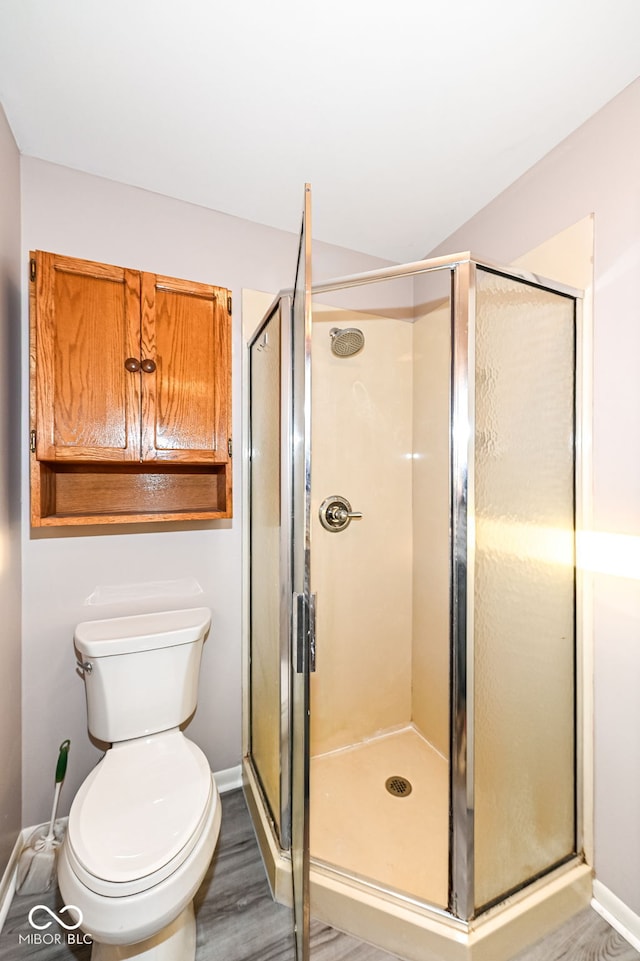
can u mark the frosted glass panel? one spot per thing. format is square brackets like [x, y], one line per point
[523, 621]
[265, 562]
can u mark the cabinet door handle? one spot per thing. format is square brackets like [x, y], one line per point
[132, 365]
[148, 365]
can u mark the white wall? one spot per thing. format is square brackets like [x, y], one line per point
[85, 216]
[596, 170]
[10, 442]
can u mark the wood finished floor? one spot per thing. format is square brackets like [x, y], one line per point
[238, 920]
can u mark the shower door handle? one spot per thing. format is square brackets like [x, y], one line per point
[304, 631]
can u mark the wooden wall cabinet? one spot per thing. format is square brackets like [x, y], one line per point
[130, 395]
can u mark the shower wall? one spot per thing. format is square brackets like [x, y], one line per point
[380, 437]
[431, 510]
[361, 443]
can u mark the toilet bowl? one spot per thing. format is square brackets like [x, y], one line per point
[144, 824]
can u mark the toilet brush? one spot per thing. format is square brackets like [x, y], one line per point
[37, 864]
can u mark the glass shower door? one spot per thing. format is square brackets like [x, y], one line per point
[303, 627]
[281, 634]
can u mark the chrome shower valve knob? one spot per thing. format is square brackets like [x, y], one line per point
[335, 513]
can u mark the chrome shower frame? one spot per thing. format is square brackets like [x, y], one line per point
[461, 909]
[461, 832]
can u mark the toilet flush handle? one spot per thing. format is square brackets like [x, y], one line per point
[85, 666]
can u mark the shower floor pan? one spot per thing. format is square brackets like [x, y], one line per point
[367, 843]
[395, 835]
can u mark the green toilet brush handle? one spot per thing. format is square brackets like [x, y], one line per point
[61, 770]
[61, 766]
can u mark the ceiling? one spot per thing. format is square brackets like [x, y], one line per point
[407, 116]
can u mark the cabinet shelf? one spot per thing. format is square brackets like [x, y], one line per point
[125, 493]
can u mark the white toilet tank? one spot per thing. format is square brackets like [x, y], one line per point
[141, 672]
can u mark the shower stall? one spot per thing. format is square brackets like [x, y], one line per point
[413, 715]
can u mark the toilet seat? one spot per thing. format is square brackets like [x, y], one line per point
[139, 814]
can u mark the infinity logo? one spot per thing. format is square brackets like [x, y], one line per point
[55, 917]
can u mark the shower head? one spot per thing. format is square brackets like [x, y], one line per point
[346, 342]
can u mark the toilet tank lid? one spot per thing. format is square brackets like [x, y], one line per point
[141, 632]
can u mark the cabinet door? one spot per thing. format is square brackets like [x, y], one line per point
[186, 404]
[85, 324]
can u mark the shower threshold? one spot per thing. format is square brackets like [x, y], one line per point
[414, 931]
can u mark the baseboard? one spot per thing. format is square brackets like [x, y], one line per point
[8, 882]
[229, 779]
[617, 914]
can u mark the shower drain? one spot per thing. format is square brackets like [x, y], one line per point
[398, 786]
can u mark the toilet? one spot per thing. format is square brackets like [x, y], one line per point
[144, 824]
